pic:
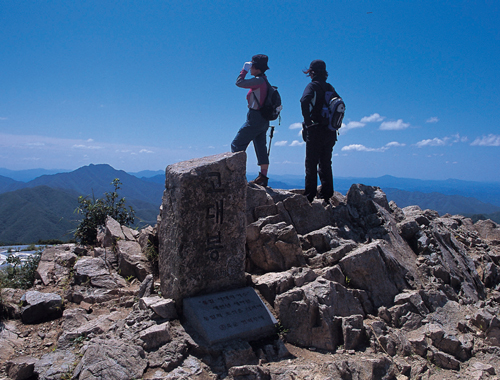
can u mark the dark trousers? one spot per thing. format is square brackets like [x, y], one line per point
[254, 129]
[319, 147]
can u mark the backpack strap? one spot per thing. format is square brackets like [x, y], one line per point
[267, 92]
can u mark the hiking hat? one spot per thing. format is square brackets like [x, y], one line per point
[318, 66]
[259, 61]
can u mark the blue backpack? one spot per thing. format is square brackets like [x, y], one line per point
[333, 110]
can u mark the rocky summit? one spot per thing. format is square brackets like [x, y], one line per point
[361, 290]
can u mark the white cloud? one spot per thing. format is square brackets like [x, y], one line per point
[295, 126]
[50, 152]
[352, 125]
[372, 118]
[281, 143]
[490, 140]
[432, 142]
[393, 125]
[433, 119]
[361, 148]
[81, 146]
[297, 143]
[145, 151]
[394, 144]
[457, 138]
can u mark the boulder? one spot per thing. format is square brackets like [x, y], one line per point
[131, 261]
[20, 368]
[311, 313]
[147, 286]
[488, 230]
[276, 249]
[55, 365]
[366, 269]
[306, 217]
[40, 307]
[155, 336]
[55, 264]
[111, 359]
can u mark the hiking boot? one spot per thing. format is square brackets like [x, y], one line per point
[260, 180]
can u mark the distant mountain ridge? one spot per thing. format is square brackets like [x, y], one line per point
[96, 180]
[46, 193]
[44, 207]
[38, 213]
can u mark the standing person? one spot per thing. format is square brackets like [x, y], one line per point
[255, 128]
[318, 137]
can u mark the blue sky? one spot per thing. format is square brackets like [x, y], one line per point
[140, 85]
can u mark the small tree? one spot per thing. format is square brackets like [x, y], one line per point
[95, 212]
[20, 274]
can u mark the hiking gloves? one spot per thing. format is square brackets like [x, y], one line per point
[247, 66]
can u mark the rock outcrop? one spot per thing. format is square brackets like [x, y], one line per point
[361, 288]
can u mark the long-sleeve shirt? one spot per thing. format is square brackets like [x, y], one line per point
[258, 89]
[313, 99]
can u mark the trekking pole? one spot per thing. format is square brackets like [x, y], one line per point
[270, 139]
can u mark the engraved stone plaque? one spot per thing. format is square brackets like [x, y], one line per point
[238, 313]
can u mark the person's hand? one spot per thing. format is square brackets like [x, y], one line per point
[247, 66]
[304, 132]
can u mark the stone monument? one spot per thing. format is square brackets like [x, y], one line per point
[202, 229]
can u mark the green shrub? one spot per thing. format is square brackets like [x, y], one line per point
[95, 212]
[18, 274]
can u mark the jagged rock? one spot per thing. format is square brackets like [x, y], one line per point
[276, 249]
[168, 356]
[108, 255]
[238, 353]
[323, 239]
[55, 365]
[306, 217]
[131, 261]
[352, 331]
[442, 359]
[98, 295]
[331, 257]
[10, 302]
[482, 319]
[191, 368]
[20, 368]
[249, 372]
[164, 307]
[488, 230]
[147, 286]
[414, 298]
[92, 327]
[273, 283]
[111, 359]
[110, 234]
[155, 336]
[9, 341]
[311, 313]
[493, 332]
[40, 307]
[367, 368]
[88, 268]
[366, 269]
[256, 197]
[418, 341]
[55, 264]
